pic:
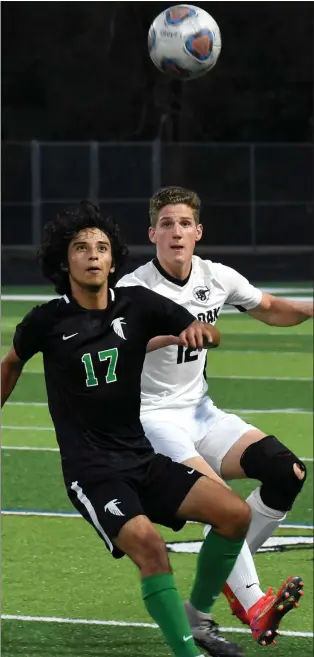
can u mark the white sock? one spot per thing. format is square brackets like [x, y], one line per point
[243, 580]
[243, 574]
[264, 521]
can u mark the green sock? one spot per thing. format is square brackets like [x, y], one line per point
[165, 606]
[215, 563]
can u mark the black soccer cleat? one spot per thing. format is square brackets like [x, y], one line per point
[206, 635]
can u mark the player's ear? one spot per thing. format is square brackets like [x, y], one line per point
[199, 232]
[152, 234]
[112, 269]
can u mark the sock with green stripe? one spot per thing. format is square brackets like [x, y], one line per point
[165, 606]
[215, 563]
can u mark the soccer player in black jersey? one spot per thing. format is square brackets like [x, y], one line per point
[94, 341]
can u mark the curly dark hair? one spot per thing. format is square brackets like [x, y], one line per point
[58, 233]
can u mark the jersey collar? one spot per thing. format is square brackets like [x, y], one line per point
[172, 279]
[73, 303]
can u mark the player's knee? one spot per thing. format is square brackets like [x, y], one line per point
[152, 553]
[236, 520]
[281, 473]
[239, 520]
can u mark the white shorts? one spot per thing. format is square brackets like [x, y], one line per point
[202, 430]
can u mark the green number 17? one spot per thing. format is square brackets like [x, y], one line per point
[107, 354]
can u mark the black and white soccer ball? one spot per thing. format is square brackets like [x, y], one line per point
[184, 42]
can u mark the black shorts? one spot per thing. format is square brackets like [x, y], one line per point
[156, 491]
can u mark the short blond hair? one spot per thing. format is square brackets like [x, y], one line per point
[173, 196]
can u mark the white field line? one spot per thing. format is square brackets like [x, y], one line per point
[269, 353]
[26, 448]
[20, 403]
[234, 351]
[86, 621]
[230, 376]
[251, 411]
[19, 428]
[74, 514]
[243, 411]
[29, 448]
[260, 378]
[41, 514]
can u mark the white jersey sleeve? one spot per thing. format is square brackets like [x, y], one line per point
[239, 291]
[146, 276]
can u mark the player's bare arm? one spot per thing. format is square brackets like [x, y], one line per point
[282, 312]
[197, 335]
[11, 369]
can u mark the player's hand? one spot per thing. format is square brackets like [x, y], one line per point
[200, 336]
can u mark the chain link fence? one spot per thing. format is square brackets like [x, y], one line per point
[253, 195]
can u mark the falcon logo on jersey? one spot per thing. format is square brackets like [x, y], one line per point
[113, 508]
[117, 327]
[201, 293]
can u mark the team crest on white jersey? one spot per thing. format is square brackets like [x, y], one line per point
[112, 507]
[201, 293]
[117, 327]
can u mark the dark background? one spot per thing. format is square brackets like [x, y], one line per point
[80, 72]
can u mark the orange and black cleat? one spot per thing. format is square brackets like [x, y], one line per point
[266, 615]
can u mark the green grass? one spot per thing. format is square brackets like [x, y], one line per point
[86, 573]
[51, 640]
[59, 567]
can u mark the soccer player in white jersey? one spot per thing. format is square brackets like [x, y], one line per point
[181, 420]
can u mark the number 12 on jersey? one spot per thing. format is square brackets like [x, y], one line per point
[186, 354]
[107, 354]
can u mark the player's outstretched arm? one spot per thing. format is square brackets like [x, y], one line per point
[162, 341]
[11, 368]
[208, 337]
[282, 312]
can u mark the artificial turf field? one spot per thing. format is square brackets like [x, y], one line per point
[63, 595]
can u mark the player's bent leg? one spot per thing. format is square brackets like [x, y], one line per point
[210, 502]
[228, 436]
[282, 475]
[143, 544]
[115, 510]
[242, 589]
[243, 580]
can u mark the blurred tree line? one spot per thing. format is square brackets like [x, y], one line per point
[81, 71]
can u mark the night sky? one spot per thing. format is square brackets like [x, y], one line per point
[81, 71]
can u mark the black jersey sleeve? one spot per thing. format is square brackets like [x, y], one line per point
[29, 335]
[160, 315]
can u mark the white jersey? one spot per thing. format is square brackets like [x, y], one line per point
[173, 377]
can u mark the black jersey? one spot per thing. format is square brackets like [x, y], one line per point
[93, 361]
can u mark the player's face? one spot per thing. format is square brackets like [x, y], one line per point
[176, 234]
[90, 258]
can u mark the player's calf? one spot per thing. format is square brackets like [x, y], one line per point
[141, 542]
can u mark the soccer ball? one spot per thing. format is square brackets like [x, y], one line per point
[184, 41]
